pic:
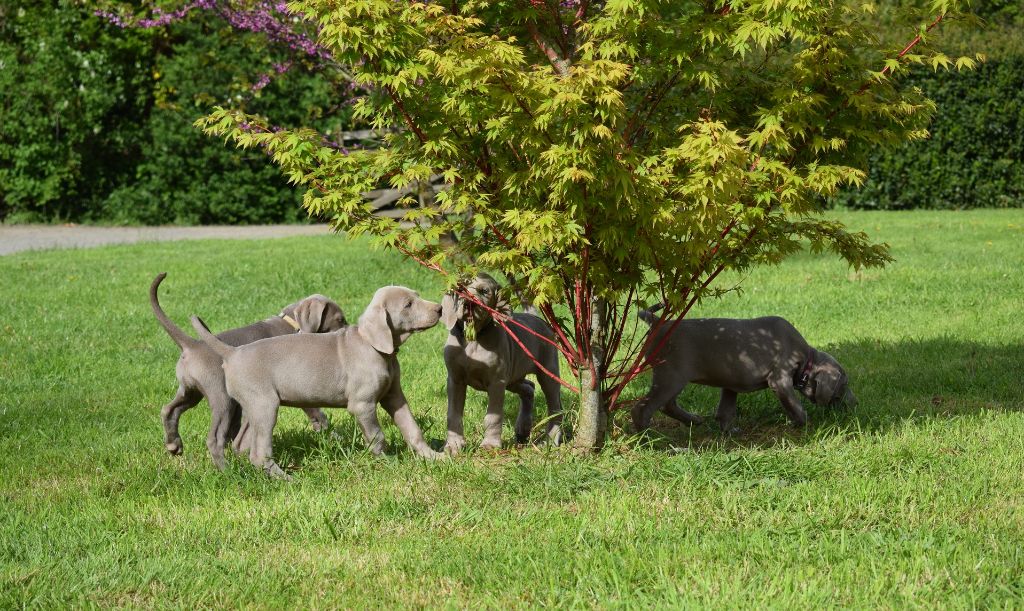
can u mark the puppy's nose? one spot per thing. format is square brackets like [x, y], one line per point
[438, 309]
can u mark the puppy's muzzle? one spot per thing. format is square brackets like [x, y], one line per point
[848, 400]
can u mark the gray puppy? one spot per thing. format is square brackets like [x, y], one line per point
[493, 362]
[739, 356]
[200, 375]
[356, 367]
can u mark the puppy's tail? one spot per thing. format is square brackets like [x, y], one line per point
[210, 339]
[648, 315]
[180, 337]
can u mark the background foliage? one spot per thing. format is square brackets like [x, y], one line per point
[972, 159]
[95, 121]
[977, 135]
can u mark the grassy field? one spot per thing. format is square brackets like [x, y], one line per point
[913, 500]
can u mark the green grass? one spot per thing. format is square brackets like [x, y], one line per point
[913, 500]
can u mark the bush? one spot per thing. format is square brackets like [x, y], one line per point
[96, 121]
[972, 159]
[72, 96]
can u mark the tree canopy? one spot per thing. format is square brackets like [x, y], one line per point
[603, 154]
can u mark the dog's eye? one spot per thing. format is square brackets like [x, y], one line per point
[408, 305]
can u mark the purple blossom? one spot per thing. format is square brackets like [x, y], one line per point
[261, 82]
[271, 19]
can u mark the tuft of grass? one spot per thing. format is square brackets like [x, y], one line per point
[912, 500]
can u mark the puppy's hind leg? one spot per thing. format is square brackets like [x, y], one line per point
[262, 418]
[222, 413]
[524, 421]
[664, 390]
[242, 443]
[185, 399]
[726, 413]
[553, 396]
[673, 410]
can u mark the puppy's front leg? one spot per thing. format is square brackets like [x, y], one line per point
[397, 406]
[365, 413]
[456, 407]
[524, 422]
[782, 386]
[492, 420]
[318, 420]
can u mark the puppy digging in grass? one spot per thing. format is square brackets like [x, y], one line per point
[356, 367]
[200, 375]
[739, 356]
[492, 361]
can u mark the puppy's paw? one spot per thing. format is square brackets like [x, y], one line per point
[428, 454]
[276, 472]
[491, 444]
[454, 445]
[555, 435]
[174, 447]
[728, 429]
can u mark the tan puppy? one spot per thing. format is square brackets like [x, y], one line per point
[493, 362]
[200, 374]
[356, 367]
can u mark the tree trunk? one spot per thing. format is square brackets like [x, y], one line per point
[593, 417]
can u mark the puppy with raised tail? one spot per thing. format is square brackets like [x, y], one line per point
[492, 361]
[739, 356]
[356, 367]
[200, 375]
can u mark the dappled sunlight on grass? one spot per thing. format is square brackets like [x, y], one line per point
[912, 499]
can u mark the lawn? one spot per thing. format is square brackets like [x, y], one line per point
[915, 499]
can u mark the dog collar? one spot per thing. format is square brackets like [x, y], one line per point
[803, 375]
[289, 320]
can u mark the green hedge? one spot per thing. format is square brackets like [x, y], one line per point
[95, 124]
[974, 156]
[96, 121]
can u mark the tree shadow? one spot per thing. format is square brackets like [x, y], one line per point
[940, 378]
[297, 444]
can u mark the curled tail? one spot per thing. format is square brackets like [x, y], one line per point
[210, 339]
[648, 315]
[180, 337]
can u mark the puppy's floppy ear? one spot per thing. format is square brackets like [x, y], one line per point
[827, 376]
[375, 328]
[332, 314]
[310, 314]
[451, 310]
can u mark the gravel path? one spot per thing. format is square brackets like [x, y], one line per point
[15, 238]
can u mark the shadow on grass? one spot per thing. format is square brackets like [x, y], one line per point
[935, 379]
